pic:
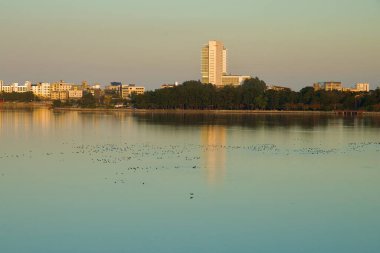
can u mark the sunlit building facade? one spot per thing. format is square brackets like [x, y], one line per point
[42, 90]
[234, 80]
[361, 87]
[214, 62]
[75, 94]
[16, 87]
[128, 89]
[61, 86]
[59, 95]
[214, 66]
[337, 86]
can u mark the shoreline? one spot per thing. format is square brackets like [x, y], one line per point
[25, 105]
[215, 112]
[44, 105]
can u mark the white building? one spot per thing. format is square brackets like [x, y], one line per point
[16, 87]
[362, 87]
[42, 90]
[24, 88]
[214, 66]
[128, 90]
[214, 62]
[8, 88]
[234, 80]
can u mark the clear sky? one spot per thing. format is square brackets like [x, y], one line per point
[292, 43]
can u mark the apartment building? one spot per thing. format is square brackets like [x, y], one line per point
[42, 90]
[128, 90]
[214, 66]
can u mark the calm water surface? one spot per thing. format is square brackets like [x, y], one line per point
[118, 182]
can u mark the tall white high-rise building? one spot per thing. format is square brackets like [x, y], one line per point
[214, 66]
[214, 62]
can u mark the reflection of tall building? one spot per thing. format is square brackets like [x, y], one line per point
[214, 157]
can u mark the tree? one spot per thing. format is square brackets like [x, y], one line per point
[57, 103]
[87, 101]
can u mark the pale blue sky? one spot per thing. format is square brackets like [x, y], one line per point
[292, 43]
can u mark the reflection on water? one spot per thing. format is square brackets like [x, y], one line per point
[214, 140]
[306, 121]
[47, 119]
[140, 182]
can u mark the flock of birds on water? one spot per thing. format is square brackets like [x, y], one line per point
[116, 153]
[128, 159]
[185, 154]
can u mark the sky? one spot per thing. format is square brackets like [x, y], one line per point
[291, 43]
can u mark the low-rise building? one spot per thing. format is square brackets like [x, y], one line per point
[166, 86]
[278, 88]
[7, 88]
[234, 79]
[75, 94]
[361, 87]
[129, 89]
[61, 86]
[328, 86]
[16, 87]
[59, 95]
[337, 86]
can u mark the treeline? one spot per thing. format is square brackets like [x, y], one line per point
[87, 101]
[254, 95]
[18, 97]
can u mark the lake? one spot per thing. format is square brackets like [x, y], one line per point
[141, 182]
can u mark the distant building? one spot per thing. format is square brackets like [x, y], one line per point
[214, 62]
[337, 86]
[328, 86]
[165, 86]
[61, 86]
[1, 85]
[59, 95]
[361, 87]
[214, 66]
[95, 90]
[42, 90]
[16, 87]
[278, 88]
[128, 90]
[7, 88]
[75, 94]
[114, 88]
[234, 80]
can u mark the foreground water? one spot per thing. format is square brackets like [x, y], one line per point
[119, 182]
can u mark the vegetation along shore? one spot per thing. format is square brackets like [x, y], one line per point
[252, 96]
